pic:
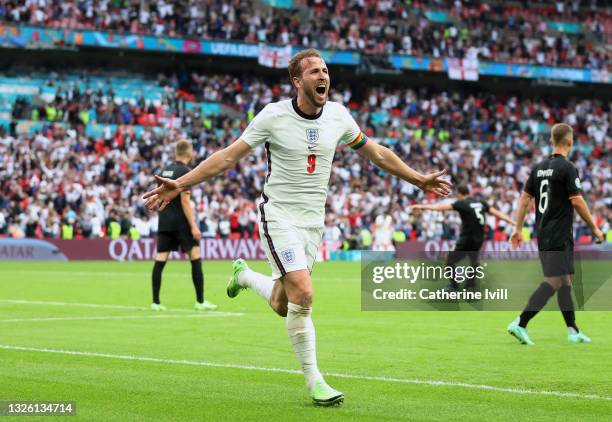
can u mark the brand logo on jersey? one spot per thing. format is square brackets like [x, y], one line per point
[578, 184]
[288, 256]
[312, 135]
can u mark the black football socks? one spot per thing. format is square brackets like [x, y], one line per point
[566, 305]
[157, 279]
[198, 279]
[537, 301]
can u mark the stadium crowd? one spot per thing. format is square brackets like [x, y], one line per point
[59, 178]
[511, 32]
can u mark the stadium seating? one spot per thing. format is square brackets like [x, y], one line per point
[63, 167]
[545, 33]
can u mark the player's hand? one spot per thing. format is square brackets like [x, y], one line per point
[599, 236]
[196, 233]
[433, 182]
[161, 196]
[516, 239]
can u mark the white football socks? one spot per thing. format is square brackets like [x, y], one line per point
[302, 334]
[260, 283]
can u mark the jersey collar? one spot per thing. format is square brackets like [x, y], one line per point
[557, 155]
[302, 114]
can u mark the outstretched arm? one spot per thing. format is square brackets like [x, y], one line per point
[516, 237]
[500, 215]
[217, 163]
[583, 211]
[433, 207]
[387, 160]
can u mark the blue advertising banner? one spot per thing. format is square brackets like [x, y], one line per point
[282, 4]
[506, 70]
[437, 16]
[568, 27]
[418, 63]
[13, 36]
[544, 72]
[34, 37]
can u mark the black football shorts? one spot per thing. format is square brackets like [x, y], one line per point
[171, 241]
[465, 248]
[558, 262]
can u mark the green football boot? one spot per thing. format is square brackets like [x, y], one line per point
[519, 332]
[325, 396]
[157, 307]
[205, 306]
[575, 337]
[233, 287]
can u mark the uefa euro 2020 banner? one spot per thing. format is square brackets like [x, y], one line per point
[31, 37]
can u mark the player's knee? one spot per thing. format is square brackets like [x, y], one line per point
[194, 253]
[162, 256]
[279, 307]
[554, 282]
[304, 297]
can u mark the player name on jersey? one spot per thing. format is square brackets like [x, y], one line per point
[545, 173]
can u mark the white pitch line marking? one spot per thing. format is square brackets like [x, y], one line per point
[110, 317]
[293, 371]
[96, 305]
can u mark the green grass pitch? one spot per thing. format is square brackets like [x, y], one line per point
[182, 366]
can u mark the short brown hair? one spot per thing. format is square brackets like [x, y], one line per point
[183, 148]
[463, 189]
[560, 134]
[295, 63]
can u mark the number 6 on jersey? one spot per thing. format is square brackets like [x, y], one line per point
[543, 203]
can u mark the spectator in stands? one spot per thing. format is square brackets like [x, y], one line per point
[487, 142]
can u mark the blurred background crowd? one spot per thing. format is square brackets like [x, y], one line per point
[516, 32]
[78, 148]
[60, 175]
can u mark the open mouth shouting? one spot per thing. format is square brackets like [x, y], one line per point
[321, 91]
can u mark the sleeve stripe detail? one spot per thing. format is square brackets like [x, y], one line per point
[359, 141]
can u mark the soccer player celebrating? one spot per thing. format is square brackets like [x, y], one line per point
[472, 213]
[555, 185]
[300, 137]
[177, 228]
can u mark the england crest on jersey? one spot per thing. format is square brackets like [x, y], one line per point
[312, 135]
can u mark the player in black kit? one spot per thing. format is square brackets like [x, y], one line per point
[472, 212]
[555, 185]
[178, 228]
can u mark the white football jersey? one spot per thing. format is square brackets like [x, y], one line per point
[300, 150]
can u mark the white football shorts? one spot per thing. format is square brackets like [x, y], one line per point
[289, 248]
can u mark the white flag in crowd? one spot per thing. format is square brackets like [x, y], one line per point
[466, 69]
[270, 56]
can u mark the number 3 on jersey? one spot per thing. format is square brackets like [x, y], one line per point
[312, 163]
[543, 204]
